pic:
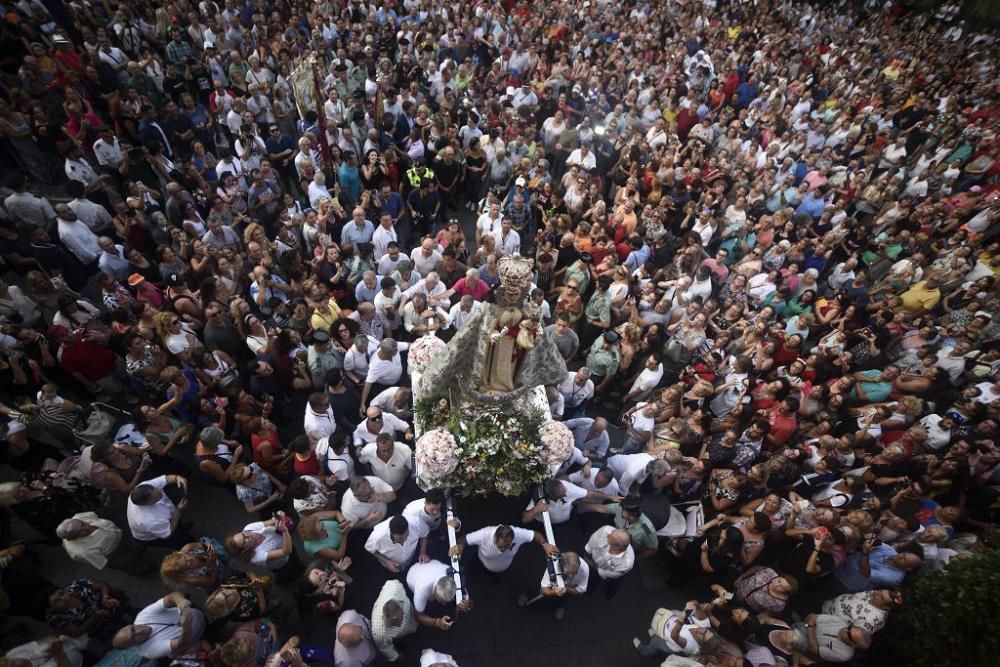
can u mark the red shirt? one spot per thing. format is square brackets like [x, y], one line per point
[70, 59]
[782, 426]
[90, 360]
[686, 119]
[479, 293]
[309, 466]
[270, 438]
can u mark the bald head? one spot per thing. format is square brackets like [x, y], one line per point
[618, 540]
[350, 635]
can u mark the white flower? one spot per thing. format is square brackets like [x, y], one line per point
[423, 350]
[437, 453]
[557, 442]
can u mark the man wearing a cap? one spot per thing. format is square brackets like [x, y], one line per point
[603, 360]
[322, 357]
[597, 314]
[67, 55]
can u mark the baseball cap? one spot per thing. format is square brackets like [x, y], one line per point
[611, 336]
[520, 181]
[136, 279]
[321, 337]
[631, 504]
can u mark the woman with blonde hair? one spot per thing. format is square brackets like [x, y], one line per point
[197, 565]
[254, 232]
[324, 535]
[238, 308]
[176, 336]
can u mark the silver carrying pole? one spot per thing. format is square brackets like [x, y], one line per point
[554, 563]
[456, 566]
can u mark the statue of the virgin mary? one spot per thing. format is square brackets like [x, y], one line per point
[502, 352]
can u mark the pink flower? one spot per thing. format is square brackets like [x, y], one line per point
[557, 442]
[423, 350]
[437, 454]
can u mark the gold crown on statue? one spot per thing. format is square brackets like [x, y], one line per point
[514, 272]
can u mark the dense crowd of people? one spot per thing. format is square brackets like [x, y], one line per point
[763, 236]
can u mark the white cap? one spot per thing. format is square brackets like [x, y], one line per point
[520, 181]
[208, 45]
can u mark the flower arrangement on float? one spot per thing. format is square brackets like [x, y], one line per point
[478, 449]
[423, 350]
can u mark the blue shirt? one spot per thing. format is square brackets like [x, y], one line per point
[362, 293]
[882, 574]
[350, 182]
[393, 204]
[637, 258]
[353, 235]
[812, 205]
[774, 201]
[747, 93]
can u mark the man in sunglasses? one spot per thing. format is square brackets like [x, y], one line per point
[377, 422]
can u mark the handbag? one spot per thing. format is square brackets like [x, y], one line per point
[99, 425]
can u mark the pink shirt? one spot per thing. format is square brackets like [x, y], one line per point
[478, 293]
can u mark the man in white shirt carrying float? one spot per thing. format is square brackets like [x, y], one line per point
[394, 542]
[497, 546]
[576, 574]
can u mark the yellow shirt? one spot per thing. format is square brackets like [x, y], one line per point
[323, 321]
[918, 297]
